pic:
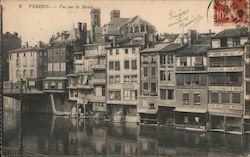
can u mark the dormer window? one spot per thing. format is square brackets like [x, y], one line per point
[236, 42]
[223, 42]
[131, 29]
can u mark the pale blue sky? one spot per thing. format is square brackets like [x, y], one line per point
[39, 24]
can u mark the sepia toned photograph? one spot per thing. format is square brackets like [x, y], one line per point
[119, 78]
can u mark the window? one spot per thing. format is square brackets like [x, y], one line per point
[126, 51]
[31, 73]
[127, 95]
[126, 79]
[153, 71]
[24, 73]
[133, 50]
[17, 55]
[131, 29]
[110, 52]
[126, 64]
[186, 98]
[180, 79]
[17, 62]
[133, 65]
[111, 65]
[247, 87]
[170, 59]
[202, 79]
[142, 28]
[247, 70]
[223, 42]
[111, 95]
[60, 86]
[136, 29]
[162, 59]
[117, 79]
[117, 95]
[225, 97]
[153, 59]
[195, 79]
[162, 75]
[183, 61]
[117, 65]
[170, 94]
[169, 76]
[197, 99]
[153, 88]
[24, 54]
[198, 61]
[145, 59]
[18, 74]
[111, 79]
[163, 94]
[46, 86]
[236, 98]
[114, 95]
[50, 66]
[145, 71]
[214, 97]
[134, 94]
[117, 51]
[145, 86]
[133, 78]
[187, 79]
[236, 42]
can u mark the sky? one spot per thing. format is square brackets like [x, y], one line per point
[39, 24]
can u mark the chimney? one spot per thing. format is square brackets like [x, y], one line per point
[114, 42]
[192, 37]
[114, 13]
[16, 34]
[84, 33]
[79, 26]
[210, 38]
[27, 44]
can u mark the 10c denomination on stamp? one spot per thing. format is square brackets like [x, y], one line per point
[230, 12]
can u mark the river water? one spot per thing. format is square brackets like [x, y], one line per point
[51, 135]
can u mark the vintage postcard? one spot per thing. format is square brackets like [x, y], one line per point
[125, 78]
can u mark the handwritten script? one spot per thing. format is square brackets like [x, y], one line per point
[59, 6]
[183, 19]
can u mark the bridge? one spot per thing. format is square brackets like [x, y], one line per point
[34, 99]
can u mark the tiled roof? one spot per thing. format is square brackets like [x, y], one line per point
[192, 50]
[118, 21]
[26, 49]
[172, 47]
[232, 33]
[156, 48]
[163, 47]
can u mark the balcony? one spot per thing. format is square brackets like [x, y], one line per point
[99, 66]
[71, 86]
[82, 86]
[228, 63]
[225, 69]
[93, 53]
[190, 68]
[224, 88]
[226, 106]
[147, 110]
[99, 81]
[98, 98]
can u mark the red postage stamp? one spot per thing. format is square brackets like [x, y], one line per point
[230, 11]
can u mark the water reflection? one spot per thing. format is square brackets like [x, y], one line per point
[48, 134]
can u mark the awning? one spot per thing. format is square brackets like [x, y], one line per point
[190, 109]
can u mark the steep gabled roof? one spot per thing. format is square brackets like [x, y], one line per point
[117, 21]
[26, 49]
[232, 33]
